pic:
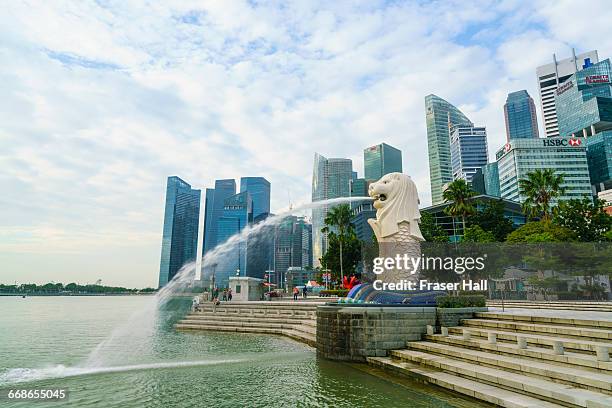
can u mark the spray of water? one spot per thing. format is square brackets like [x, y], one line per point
[134, 336]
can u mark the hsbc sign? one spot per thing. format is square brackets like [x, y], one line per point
[597, 79]
[573, 142]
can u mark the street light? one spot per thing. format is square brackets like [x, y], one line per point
[238, 272]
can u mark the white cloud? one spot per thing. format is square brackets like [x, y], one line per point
[103, 102]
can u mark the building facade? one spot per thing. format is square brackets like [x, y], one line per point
[584, 106]
[486, 180]
[381, 159]
[520, 116]
[259, 189]
[331, 178]
[180, 233]
[440, 116]
[468, 146]
[292, 247]
[564, 155]
[550, 77]
[214, 203]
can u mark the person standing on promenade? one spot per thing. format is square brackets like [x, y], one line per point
[229, 295]
[296, 291]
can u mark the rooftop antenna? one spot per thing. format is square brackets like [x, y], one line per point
[289, 198]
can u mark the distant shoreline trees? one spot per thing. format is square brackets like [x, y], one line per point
[72, 288]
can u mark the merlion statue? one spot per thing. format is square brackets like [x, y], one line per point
[397, 222]
[398, 234]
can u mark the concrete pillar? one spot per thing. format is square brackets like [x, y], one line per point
[592, 130]
[521, 342]
[444, 331]
[430, 330]
[558, 347]
[467, 335]
[603, 353]
[584, 132]
[492, 338]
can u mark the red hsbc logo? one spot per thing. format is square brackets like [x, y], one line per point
[507, 147]
[575, 142]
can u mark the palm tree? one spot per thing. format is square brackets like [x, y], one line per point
[540, 187]
[339, 217]
[459, 193]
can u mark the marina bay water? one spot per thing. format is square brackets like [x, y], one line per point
[47, 342]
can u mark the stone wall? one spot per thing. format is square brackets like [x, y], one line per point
[448, 317]
[354, 332]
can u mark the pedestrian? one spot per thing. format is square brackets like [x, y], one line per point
[224, 298]
[194, 303]
[304, 292]
[229, 295]
[296, 291]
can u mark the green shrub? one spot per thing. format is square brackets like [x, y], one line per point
[453, 302]
[333, 292]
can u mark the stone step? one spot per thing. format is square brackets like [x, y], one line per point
[268, 305]
[547, 329]
[248, 318]
[586, 361]
[550, 306]
[238, 324]
[536, 387]
[258, 314]
[475, 389]
[594, 324]
[542, 369]
[537, 339]
[299, 336]
[294, 313]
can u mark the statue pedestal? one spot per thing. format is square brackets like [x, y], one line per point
[352, 332]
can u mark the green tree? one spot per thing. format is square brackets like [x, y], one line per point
[540, 188]
[586, 218]
[431, 231]
[351, 254]
[491, 218]
[459, 193]
[339, 218]
[475, 233]
[541, 231]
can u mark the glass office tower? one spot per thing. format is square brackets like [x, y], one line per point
[468, 146]
[381, 159]
[584, 108]
[215, 200]
[330, 179]
[486, 180]
[440, 116]
[180, 234]
[259, 189]
[520, 115]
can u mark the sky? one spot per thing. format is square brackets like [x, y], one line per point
[102, 100]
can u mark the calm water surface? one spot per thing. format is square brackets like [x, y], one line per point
[123, 352]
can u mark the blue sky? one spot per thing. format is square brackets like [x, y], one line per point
[101, 101]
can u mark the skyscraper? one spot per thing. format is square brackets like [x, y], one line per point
[180, 234]
[440, 117]
[330, 179]
[215, 200]
[259, 189]
[292, 246]
[237, 214]
[468, 151]
[381, 159]
[584, 107]
[551, 76]
[520, 115]
[486, 180]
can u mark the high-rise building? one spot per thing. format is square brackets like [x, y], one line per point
[215, 200]
[520, 115]
[259, 189]
[564, 155]
[440, 116]
[486, 180]
[584, 107]
[381, 159]
[292, 247]
[180, 235]
[237, 214]
[551, 76]
[468, 146]
[330, 179]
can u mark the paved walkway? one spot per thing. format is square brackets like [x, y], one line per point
[566, 314]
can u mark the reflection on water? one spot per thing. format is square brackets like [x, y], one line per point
[48, 339]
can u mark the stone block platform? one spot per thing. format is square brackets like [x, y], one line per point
[518, 358]
[296, 320]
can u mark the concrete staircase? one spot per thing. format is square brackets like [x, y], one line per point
[553, 305]
[296, 320]
[515, 360]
